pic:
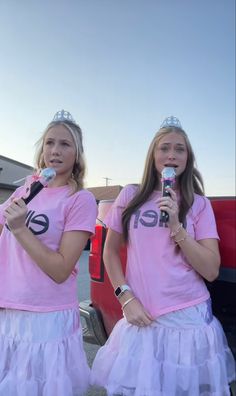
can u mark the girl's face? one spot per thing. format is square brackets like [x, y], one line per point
[171, 151]
[59, 151]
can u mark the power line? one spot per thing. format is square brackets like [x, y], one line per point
[107, 178]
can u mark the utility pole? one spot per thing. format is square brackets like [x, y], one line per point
[106, 178]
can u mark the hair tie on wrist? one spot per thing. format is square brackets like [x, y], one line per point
[174, 233]
[127, 302]
[181, 239]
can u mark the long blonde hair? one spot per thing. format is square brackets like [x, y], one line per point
[190, 181]
[77, 178]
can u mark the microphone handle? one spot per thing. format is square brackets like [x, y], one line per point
[164, 217]
[36, 187]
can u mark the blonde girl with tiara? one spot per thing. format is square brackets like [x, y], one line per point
[41, 343]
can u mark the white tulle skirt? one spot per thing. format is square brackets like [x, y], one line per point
[41, 354]
[183, 353]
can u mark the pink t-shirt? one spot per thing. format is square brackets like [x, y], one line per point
[157, 271]
[23, 285]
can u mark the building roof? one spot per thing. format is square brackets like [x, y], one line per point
[105, 192]
[12, 161]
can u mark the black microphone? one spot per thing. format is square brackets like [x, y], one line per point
[45, 177]
[167, 178]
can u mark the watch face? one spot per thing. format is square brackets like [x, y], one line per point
[117, 291]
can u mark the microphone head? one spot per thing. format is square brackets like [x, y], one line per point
[46, 175]
[168, 173]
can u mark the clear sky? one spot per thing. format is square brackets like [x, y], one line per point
[120, 67]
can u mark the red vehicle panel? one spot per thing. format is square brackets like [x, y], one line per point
[225, 213]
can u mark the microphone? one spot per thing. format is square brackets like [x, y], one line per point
[167, 178]
[45, 177]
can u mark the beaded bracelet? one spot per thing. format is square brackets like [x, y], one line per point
[174, 233]
[127, 302]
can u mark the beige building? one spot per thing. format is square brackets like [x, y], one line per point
[105, 192]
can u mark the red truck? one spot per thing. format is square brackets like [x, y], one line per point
[102, 311]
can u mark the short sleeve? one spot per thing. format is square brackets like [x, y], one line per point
[4, 205]
[18, 193]
[82, 214]
[113, 219]
[2, 208]
[205, 224]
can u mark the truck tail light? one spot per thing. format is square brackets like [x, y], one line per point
[96, 265]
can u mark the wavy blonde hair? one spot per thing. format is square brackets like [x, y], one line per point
[77, 177]
[190, 181]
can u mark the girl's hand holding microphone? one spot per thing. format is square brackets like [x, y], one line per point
[169, 205]
[15, 215]
[16, 212]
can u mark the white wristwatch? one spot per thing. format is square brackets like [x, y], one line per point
[120, 290]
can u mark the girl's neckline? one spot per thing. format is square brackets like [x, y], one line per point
[66, 186]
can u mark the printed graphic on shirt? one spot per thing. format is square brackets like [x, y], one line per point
[37, 223]
[147, 218]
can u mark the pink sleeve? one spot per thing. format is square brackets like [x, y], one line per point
[82, 214]
[16, 193]
[205, 224]
[113, 219]
[2, 208]
[19, 192]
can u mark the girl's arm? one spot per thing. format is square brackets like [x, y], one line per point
[134, 311]
[202, 255]
[58, 265]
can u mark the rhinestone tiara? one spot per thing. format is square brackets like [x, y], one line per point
[171, 122]
[63, 115]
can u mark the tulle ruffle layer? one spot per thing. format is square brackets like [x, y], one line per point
[165, 360]
[42, 354]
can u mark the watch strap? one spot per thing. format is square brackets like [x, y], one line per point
[121, 289]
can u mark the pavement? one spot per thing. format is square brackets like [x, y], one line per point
[84, 294]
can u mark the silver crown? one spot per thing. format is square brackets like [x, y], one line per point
[63, 115]
[171, 122]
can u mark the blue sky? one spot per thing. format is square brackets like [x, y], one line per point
[120, 67]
